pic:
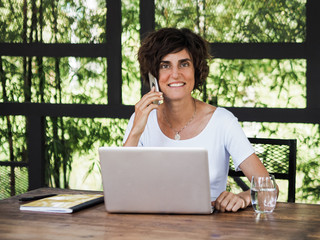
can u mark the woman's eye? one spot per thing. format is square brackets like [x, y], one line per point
[185, 64]
[164, 66]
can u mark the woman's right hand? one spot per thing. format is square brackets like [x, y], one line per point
[142, 111]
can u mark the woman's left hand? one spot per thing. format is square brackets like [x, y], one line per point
[228, 201]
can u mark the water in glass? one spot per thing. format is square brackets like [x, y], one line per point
[263, 194]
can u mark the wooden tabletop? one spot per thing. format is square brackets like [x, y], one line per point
[288, 221]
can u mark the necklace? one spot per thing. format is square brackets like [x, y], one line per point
[177, 133]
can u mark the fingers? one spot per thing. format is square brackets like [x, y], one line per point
[143, 109]
[148, 99]
[228, 201]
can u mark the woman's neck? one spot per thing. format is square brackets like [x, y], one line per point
[178, 113]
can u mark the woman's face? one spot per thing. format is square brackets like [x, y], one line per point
[176, 75]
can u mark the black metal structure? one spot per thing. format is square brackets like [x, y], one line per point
[111, 50]
[279, 157]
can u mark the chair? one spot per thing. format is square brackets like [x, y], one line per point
[278, 156]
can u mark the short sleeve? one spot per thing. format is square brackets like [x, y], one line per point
[237, 143]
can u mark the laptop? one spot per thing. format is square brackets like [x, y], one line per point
[155, 180]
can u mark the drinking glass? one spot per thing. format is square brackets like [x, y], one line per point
[263, 194]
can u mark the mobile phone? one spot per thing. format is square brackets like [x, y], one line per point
[154, 83]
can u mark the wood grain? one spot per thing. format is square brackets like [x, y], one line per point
[288, 221]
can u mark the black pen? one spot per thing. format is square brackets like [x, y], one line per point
[24, 199]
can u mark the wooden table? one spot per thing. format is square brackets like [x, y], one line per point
[288, 221]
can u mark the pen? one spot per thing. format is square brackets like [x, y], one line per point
[24, 199]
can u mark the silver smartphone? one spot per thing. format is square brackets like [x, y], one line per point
[154, 83]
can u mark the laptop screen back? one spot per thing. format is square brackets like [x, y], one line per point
[155, 180]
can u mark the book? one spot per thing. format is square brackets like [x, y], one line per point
[63, 203]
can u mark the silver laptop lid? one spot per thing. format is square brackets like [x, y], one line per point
[155, 180]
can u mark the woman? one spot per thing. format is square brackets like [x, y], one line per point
[178, 59]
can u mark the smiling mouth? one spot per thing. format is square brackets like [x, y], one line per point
[176, 84]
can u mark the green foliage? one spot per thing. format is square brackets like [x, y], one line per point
[63, 21]
[309, 165]
[20, 175]
[12, 148]
[130, 45]
[236, 20]
[53, 80]
[78, 137]
[258, 83]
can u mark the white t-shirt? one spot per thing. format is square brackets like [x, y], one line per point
[222, 137]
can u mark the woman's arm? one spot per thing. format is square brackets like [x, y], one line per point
[252, 166]
[227, 201]
[142, 111]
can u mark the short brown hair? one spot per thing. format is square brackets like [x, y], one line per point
[158, 44]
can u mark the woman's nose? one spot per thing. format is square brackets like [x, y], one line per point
[175, 72]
